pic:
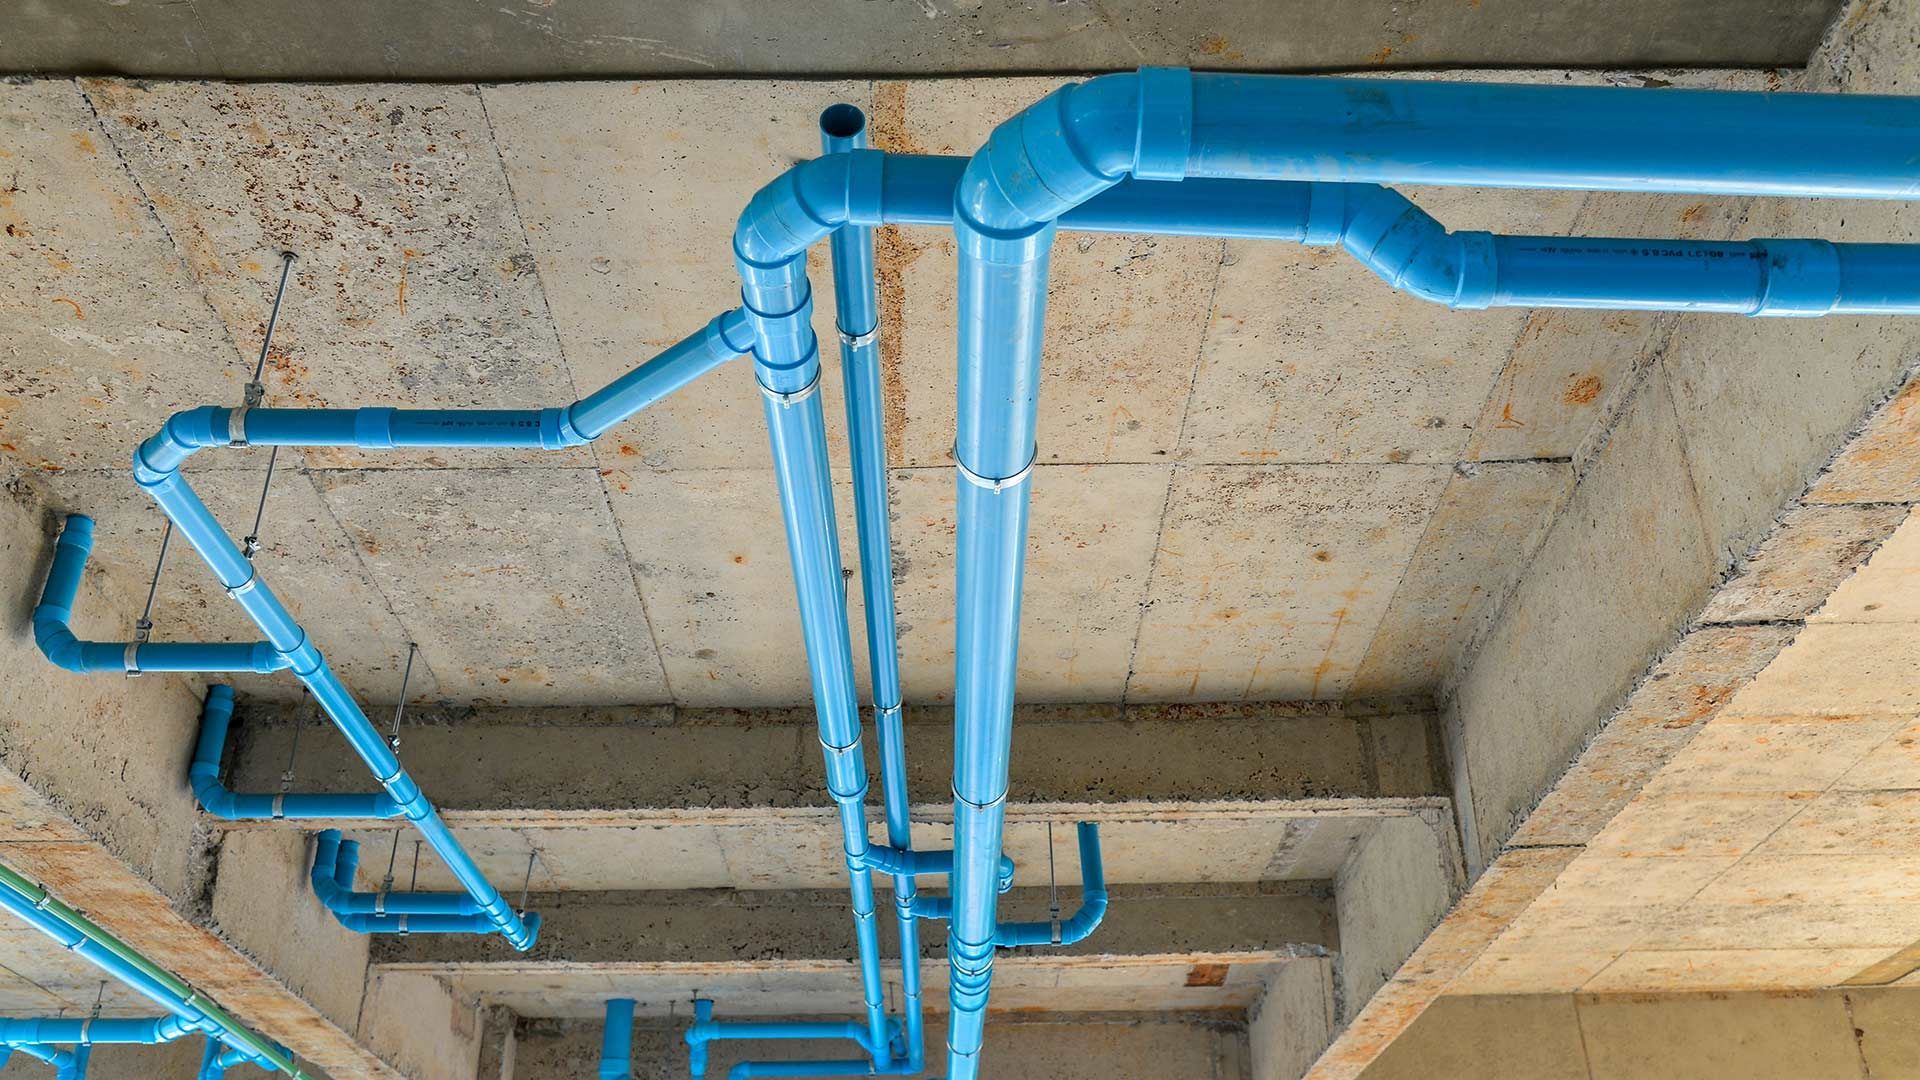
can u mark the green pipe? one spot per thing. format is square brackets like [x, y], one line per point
[233, 1032]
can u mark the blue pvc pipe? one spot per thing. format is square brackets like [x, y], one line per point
[216, 799]
[58, 643]
[843, 128]
[81, 1031]
[1093, 903]
[616, 1041]
[891, 860]
[334, 863]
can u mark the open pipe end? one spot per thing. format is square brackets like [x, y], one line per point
[842, 124]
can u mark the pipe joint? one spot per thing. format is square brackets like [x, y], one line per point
[1803, 278]
[1164, 135]
[180, 437]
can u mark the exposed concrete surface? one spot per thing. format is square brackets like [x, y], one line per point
[1765, 1036]
[520, 244]
[1193, 1047]
[1397, 883]
[444, 40]
[1293, 1022]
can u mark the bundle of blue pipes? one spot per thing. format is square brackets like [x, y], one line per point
[1155, 151]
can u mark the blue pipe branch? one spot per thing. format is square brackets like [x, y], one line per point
[616, 1041]
[216, 799]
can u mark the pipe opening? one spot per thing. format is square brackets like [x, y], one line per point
[842, 121]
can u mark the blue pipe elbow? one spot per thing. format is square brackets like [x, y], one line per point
[334, 863]
[1093, 903]
[216, 799]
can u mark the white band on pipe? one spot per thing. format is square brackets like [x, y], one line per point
[790, 400]
[132, 660]
[237, 426]
[279, 806]
[990, 483]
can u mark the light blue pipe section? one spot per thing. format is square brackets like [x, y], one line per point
[81, 1031]
[58, 644]
[334, 864]
[214, 797]
[616, 1042]
[843, 128]
[705, 1030]
[891, 860]
[157, 471]
[217, 1058]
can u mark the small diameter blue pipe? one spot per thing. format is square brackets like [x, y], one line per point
[616, 1041]
[843, 128]
[1093, 903]
[214, 797]
[705, 1030]
[334, 864]
[58, 644]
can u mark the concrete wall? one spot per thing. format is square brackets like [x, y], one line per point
[1725, 422]
[1294, 1021]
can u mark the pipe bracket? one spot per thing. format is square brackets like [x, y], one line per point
[132, 660]
[235, 592]
[855, 341]
[990, 483]
[237, 426]
[788, 401]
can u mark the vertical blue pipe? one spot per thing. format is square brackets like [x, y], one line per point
[786, 360]
[844, 128]
[616, 1042]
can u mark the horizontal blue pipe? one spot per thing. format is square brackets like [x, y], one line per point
[334, 863]
[58, 643]
[26, 908]
[891, 860]
[67, 1063]
[616, 1041]
[216, 799]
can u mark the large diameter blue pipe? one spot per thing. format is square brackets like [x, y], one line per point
[843, 128]
[616, 1041]
[1500, 135]
[216, 799]
[80, 1031]
[58, 643]
[1002, 303]
[1169, 124]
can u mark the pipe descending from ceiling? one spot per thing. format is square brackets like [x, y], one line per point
[1155, 151]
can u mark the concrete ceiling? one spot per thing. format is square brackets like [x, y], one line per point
[528, 39]
[1264, 475]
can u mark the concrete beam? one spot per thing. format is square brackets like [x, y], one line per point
[725, 926]
[1089, 1047]
[693, 799]
[285, 40]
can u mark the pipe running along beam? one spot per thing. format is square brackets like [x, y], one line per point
[188, 1008]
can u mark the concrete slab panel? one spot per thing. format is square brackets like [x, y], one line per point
[1506, 1037]
[1271, 580]
[1490, 517]
[1090, 546]
[529, 561]
[1311, 358]
[103, 329]
[415, 286]
[710, 552]
[1880, 465]
[1890, 592]
[1124, 313]
[1768, 1037]
[630, 192]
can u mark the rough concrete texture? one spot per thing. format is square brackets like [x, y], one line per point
[1194, 1047]
[287, 41]
[1293, 1022]
[1748, 418]
[521, 244]
[1396, 884]
[1766, 1036]
[419, 1024]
